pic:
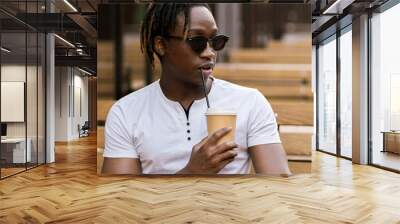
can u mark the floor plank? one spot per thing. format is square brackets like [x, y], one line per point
[69, 191]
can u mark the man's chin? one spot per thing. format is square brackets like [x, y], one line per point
[195, 81]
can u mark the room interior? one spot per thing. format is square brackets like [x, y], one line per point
[332, 79]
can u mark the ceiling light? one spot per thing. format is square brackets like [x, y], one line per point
[338, 6]
[70, 5]
[5, 50]
[84, 71]
[79, 51]
[65, 41]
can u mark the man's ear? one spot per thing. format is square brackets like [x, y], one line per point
[159, 45]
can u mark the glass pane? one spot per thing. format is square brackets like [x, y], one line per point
[346, 94]
[386, 89]
[32, 87]
[31, 100]
[41, 99]
[13, 87]
[327, 97]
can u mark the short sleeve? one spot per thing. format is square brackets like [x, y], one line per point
[262, 126]
[119, 141]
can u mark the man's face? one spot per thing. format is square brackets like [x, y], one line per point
[184, 63]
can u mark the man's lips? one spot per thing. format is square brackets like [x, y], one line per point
[206, 71]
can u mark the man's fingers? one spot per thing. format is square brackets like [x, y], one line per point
[224, 163]
[221, 148]
[216, 136]
[230, 154]
[201, 143]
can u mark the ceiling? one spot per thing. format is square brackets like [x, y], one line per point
[76, 24]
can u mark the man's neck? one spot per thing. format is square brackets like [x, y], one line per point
[182, 92]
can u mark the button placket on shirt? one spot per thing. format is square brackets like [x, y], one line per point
[182, 116]
[188, 130]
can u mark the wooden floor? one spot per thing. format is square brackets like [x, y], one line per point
[69, 191]
[5, 172]
[10, 171]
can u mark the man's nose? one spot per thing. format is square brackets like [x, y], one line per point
[208, 53]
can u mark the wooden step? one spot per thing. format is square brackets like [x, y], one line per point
[281, 91]
[273, 57]
[273, 80]
[105, 51]
[105, 87]
[294, 112]
[296, 140]
[103, 106]
[275, 52]
[100, 136]
[299, 44]
[270, 59]
[100, 160]
[263, 72]
[297, 143]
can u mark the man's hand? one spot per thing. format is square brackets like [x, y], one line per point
[209, 157]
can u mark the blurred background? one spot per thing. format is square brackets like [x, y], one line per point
[55, 53]
[269, 49]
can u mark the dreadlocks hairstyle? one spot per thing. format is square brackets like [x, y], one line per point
[159, 20]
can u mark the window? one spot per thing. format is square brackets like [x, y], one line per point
[346, 93]
[327, 96]
[22, 88]
[385, 89]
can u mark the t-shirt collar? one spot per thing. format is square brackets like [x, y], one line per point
[176, 103]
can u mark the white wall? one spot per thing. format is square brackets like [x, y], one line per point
[62, 81]
[71, 93]
[12, 101]
[13, 73]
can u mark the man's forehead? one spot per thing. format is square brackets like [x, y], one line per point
[201, 15]
[202, 30]
[198, 23]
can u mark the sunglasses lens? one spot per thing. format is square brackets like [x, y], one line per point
[198, 44]
[218, 42]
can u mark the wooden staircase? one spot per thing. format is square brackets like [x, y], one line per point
[282, 72]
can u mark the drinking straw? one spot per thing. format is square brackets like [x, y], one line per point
[204, 89]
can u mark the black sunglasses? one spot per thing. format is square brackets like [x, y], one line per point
[199, 43]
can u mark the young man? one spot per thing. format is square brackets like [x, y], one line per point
[161, 129]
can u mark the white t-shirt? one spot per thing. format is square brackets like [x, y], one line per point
[147, 125]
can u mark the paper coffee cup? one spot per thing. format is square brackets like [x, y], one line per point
[220, 118]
